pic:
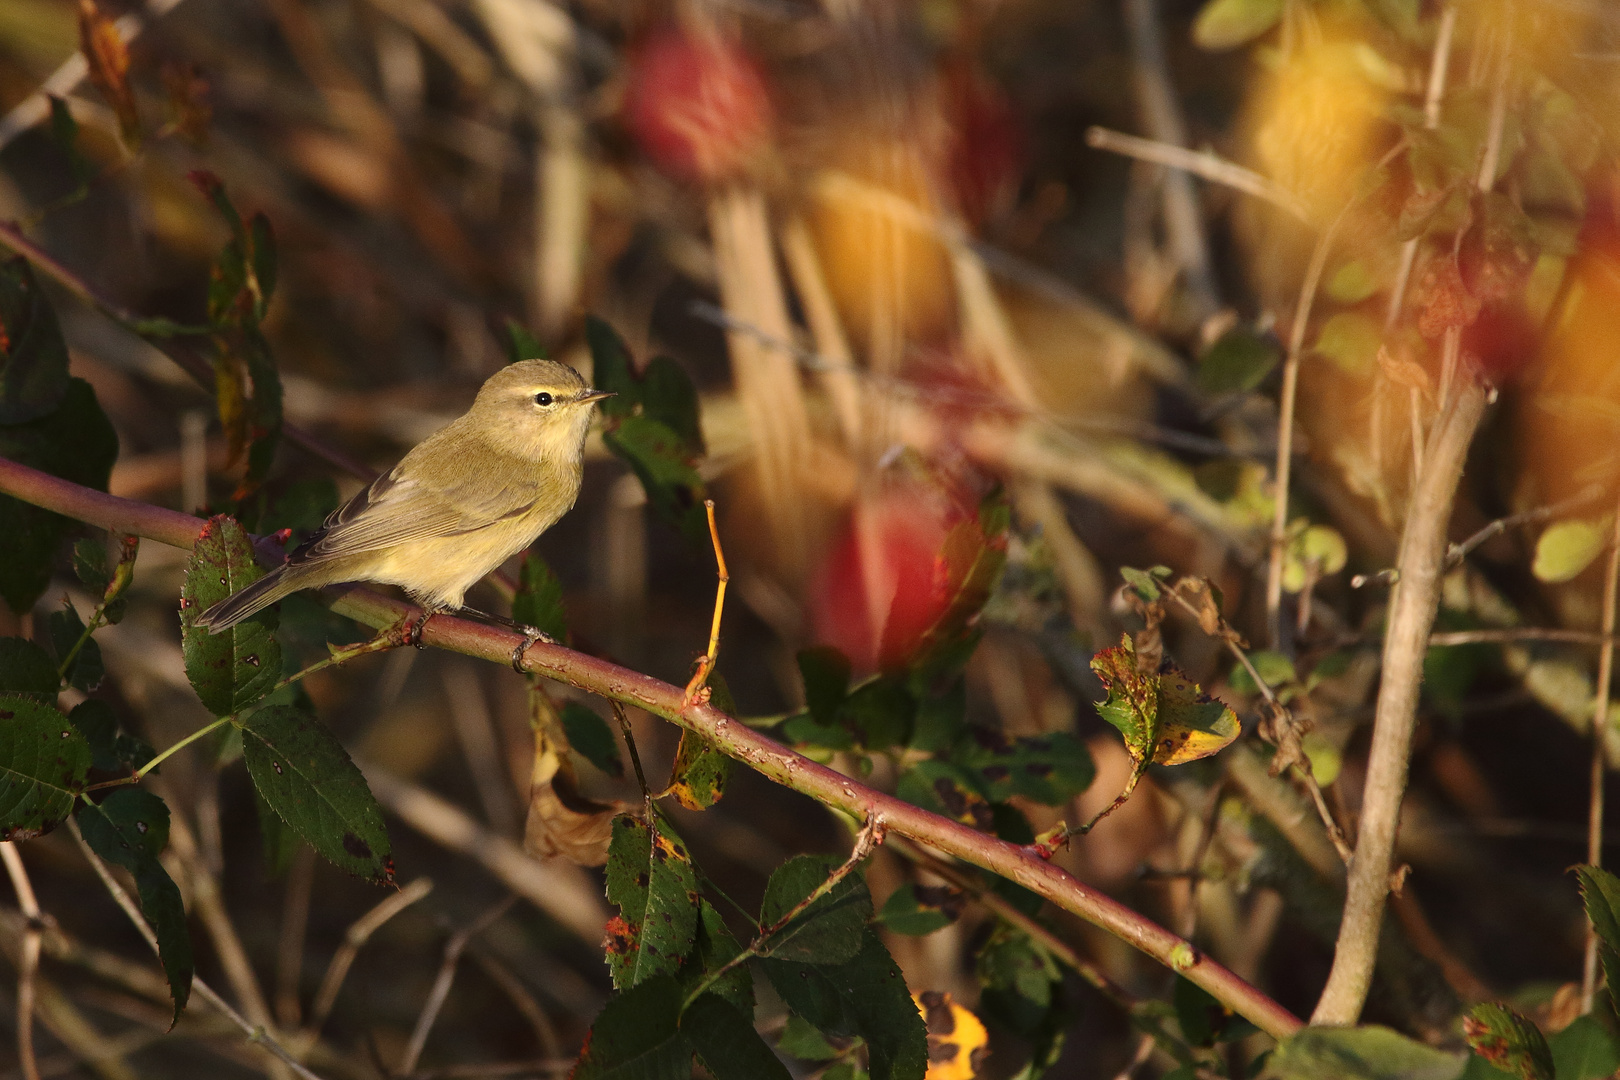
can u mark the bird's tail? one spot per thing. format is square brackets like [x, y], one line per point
[251, 600]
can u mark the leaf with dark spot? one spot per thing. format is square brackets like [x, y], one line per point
[43, 759]
[234, 668]
[651, 879]
[829, 930]
[305, 776]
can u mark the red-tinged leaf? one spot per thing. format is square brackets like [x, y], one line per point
[651, 879]
[107, 56]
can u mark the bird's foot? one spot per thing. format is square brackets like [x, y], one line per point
[531, 636]
[412, 630]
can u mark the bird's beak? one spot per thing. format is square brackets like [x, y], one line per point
[594, 395]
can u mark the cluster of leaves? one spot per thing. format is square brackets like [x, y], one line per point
[652, 423]
[52, 765]
[686, 983]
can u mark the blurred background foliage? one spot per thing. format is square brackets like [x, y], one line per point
[928, 326]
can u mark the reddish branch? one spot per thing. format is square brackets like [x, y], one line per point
[754, 749]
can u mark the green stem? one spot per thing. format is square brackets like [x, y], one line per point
[140, 774]
[388, 639]
[89, 628]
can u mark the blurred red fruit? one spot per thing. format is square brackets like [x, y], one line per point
[698, 107]
[909, 567]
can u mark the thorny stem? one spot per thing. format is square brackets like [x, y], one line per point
[761, 753]
[870, 836]
[1600, 735]
[1413, 604]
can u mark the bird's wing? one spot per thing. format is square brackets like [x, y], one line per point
[395, 510]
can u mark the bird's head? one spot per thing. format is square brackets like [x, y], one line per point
[536, 409]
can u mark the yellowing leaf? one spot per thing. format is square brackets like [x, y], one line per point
[1567, 548]
[957, 1040]
[1192, 725]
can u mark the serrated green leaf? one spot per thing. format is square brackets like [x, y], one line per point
[919, 910]
[727, 1043]
[234, 668]
[1568, 547]
[1048, 769]
[637, 1036]
[651, 879]
[714, 947]
[306, 776]
[829, 930]
[698, 776]
[655, 454]
[90, 564]
[865, 996]
[1237, 362]
[1226, 24]
[75, 442]
[539, 599]
[43, 759]
[130, 828]
[1021, 982]
[33, 356]
[1360, 1053]
[801, 1040]
[86, 670]
[25, 668]
[1509, 1041]
[591, 738]
[277, 840]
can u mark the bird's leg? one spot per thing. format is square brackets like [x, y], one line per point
[530, 634]
[412, 630]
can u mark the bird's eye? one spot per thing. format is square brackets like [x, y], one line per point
[542, 399]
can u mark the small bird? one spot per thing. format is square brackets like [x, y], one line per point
[462, 502]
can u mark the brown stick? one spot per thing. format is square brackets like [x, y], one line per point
[1413, 605]
[1600, 732]
[27, 962]
[761, 753]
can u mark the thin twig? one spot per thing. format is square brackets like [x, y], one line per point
[1600, 732]
[28, 962]
[255, 1033]
[447, 974]
[1199, 163]
[1458, 552]
[354, 939]
[290, 945]
[700, 678]
[761, 753]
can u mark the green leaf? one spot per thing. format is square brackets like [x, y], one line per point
[1568, 547]
[25, 668]
[1508, 1041]
[75, 442]
[1274, 667]
[713, 948]
[727, 1043]
[1226, 24]
[940, 719]
[655, 454]
[1585, 1050]
[825, 672]
[801, 1040]
[668, 396]
[539, 599]
[43, 759]
[881, 712]
[264, 262]
[611, 369]
[302, 506]
[234, 668]
[591, 738]
[130, 828]
[1600, 893]
[1360, 1053]
[65, 133]
[86, 669]
[277, 840]
[1147, 584]
[522, 345]
[1048, 769]
[946, 789]
[865, 996]
[1204, 1020]
[698, 777]
[90, 564]
[306, 776]
[829, 930]
[1021, 982]
[651, 879]
[1351, 340]
[1352, 283]
[1238, 362]
[33, 356]
[637, 1036]
[919, 910]
[110, 749]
